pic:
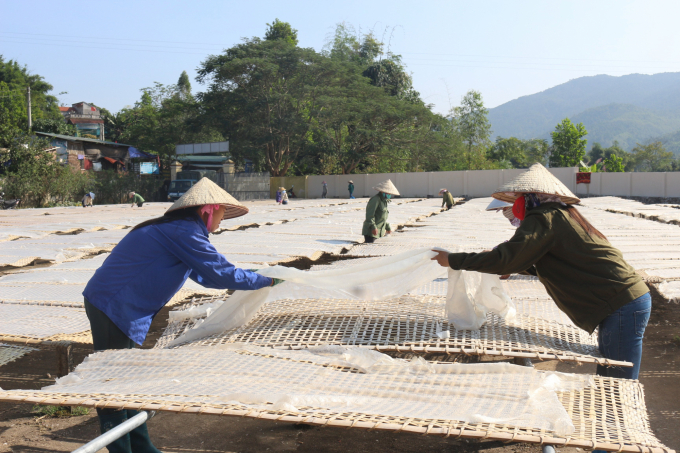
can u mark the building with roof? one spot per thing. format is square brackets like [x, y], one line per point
[86, 118]
[92, 154]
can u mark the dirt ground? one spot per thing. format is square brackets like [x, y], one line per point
[22, 431]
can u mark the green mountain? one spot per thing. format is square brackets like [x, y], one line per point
[671, 142]
[632, 108]
[626, 123]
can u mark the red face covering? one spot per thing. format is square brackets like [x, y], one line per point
[519, 208]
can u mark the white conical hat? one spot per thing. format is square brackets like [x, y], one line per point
[497, 204]
[535, 180]
[387, 187]
[207, 192]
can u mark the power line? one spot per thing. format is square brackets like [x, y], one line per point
[111, 39]
[41, 40]
[537, 58]
[90, 38]
[103, 48]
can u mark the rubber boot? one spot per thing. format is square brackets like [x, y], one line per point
[139, 437]
[109, 419]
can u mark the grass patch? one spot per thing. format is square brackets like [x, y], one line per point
[59, 411]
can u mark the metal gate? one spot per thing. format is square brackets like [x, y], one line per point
[245, 186]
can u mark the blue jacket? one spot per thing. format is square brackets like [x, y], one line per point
[147, 268]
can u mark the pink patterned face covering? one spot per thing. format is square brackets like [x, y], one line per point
[210, 210]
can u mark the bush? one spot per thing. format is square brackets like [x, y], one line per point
[113, 187]
[35, 176]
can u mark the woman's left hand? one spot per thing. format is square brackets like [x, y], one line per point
[442, 258]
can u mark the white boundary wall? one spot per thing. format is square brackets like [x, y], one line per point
[642, 184]
[482, 183]
[476, 183]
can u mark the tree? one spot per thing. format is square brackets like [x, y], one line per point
[279, 30]
[161, 119]
[54, 126]
[18, 78]
[652, 157]
[12, 115]
[568, 145]
[519, 153]
[613, 164]
[470, 119]
[184, 85]
[362, 125]
[263, 95]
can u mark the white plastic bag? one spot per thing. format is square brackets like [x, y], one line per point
[471, 295]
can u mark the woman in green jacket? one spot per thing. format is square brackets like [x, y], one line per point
[136, 200]
[447, 199]
[375, 225]
[584, 274]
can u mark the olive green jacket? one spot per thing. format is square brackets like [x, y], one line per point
[587, 277]
[447, 199]
[138, 199]
[376, 217]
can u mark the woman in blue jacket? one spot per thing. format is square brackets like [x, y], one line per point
[147, 268]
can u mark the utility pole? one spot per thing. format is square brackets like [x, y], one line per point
[28, 108]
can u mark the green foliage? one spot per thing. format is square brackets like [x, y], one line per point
[19, 78]
[112, 187]
[518, 153]
[37, 178]
[263, 95]
[54, 126]
[279, 30]
[569, 146]
[471, 122]
[165, 116]
[652, 157]
[184, 85]
[59, 411]
[12, 114]
[614, 164]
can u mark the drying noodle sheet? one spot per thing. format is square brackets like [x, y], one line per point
[375, 280]
[476, 393]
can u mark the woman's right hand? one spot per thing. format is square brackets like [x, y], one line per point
[374, 232]
[441, 257]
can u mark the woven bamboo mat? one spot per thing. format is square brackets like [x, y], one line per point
[407, 323]
[608, 414]
[9, 353]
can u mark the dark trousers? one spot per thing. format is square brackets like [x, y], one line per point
[107, 335]
[369, 239]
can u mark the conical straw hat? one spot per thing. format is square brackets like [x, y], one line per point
[535, 180]
[387, 187]
[207, 192]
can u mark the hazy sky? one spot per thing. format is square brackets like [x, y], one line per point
[105, 52]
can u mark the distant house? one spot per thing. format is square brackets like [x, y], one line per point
[86, 118]
[92, 154]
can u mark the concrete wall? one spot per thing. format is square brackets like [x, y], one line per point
[637, 184]
[482, 183]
